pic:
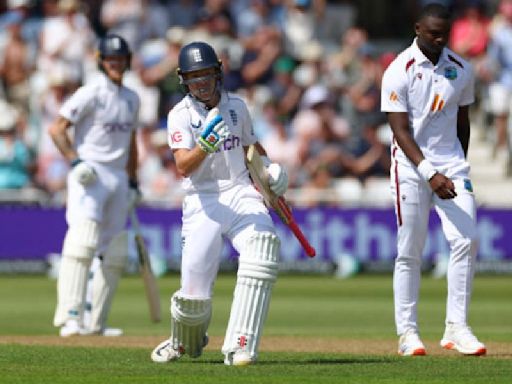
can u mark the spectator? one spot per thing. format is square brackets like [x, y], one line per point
[66, 38]
[52, 167]
[284, 90]
[162, 73]
[257, 14]
[469, 37]
[123, 17]
[231, 66]
[500, 91]
[260, 53]
[318, 189]
[469, 34]
[16, 160]
[159, 177]
[324, 138]
[30, 23]
[342, 64]
[182, 13]
[16, 63]
[301, 22]
[280, 145]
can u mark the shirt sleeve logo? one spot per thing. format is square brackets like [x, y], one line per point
[393, 96]
[176, 137]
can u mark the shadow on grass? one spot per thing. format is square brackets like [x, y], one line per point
[317, 361]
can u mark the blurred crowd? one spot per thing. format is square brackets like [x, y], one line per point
[310, 75]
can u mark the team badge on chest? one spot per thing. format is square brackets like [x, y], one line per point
[467, 185]
[450, 73]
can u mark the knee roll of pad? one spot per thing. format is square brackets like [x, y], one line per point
[81, 240]
[78, 251]
[260, 258]
[189, 322]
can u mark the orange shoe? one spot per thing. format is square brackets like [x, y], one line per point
[460, 337]
[410, 344]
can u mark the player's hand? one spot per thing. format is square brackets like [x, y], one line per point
[83, 172]
[134, 194]
[442, 186]
[214, 133]
[277, 179]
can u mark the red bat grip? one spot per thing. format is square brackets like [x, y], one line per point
[310, 251]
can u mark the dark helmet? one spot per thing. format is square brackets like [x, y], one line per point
[113, 45]
[196, 56]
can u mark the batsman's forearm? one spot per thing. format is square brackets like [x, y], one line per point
[133, 159]
[59, 135]
[188, 160]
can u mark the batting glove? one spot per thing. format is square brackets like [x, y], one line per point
[83, 172]
[215, 132]
[277, 179]
[134, 194]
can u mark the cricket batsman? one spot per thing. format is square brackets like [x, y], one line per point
[209, 131]
[102, 185]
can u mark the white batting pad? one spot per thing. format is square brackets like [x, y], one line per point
[189, 322]
[104, 281]
[257, 272]
[79, 246]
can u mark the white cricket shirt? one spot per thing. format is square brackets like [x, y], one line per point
[225, 168]
[431, 95]
[104, 116]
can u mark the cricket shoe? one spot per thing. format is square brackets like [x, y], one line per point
[165, 352]
[70, 328]
[409, 344]
[461, 338]
[239, 358]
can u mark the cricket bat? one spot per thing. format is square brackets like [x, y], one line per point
[150, 285]
[259, 177]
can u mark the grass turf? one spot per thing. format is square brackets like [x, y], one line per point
[315, 310]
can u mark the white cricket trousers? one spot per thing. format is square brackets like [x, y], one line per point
[413, 201]
[235, 214]
[104, 201]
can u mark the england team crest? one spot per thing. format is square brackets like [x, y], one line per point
[234, 117]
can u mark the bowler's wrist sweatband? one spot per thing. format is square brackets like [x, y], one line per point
[426, 170]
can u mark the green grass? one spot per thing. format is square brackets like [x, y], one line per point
[306, 307]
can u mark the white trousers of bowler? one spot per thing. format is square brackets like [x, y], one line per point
[235, 214]
[413, 201]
